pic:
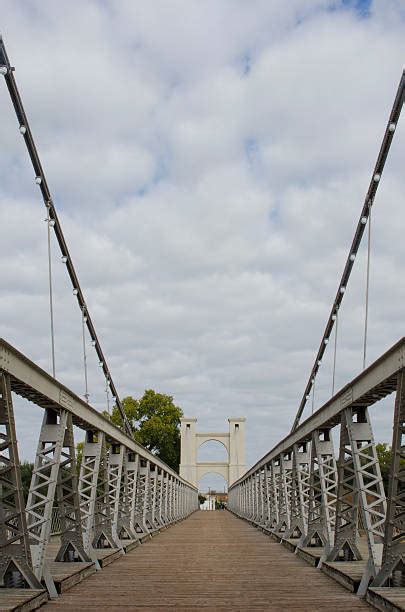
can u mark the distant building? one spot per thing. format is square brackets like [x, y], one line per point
[233, 440]
[212, 498]
[220, 496]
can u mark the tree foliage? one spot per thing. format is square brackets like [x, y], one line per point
[79, 456]
[384, 454]
[26, 474]
[155, 421]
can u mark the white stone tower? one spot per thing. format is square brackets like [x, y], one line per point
[234, 442]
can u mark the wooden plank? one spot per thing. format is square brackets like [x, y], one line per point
[22, 600]
[347, 573]
[130, 544]
[105, 556]
[310, 554]
[66, 575]
[388, 599]
[213, 560]
[290, 543]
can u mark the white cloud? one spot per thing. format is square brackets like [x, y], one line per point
[208, 161]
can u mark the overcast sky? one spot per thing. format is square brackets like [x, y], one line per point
[208, 161]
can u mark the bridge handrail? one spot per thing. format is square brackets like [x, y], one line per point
[379, 377]
[34, 383]
[304, 494]
[123, 493]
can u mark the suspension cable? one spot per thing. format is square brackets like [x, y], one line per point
[336, 315]
[369, 199]
[48, 226]
[108, 397]
[86, 386]
[313, 396]
[367, 287]
[7, 71]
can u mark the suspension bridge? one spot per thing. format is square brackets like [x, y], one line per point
[307, 527]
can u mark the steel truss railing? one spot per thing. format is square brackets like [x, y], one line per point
[122, 493]
[301, 493]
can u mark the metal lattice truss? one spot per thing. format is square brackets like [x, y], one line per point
[299, 495]
[103, 531]
[15, 555]
[299, 492]
[145, 489]
[155, 498]
[360, 493]
[274, 476]
[284, 494]
[262, 496]
[165, 516]
[158, 508]
[138, 517]
[54, 483]
[94, 520]
[132, 468]
[252, 496]
[123, 491]
[392, 572]
[116, 479]
[322, 491]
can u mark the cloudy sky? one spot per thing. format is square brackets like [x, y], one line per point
[208, 160]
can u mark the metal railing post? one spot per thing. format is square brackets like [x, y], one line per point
[392, 572]
[322, 492]
[299, 492]
[284, 520]
[53, 479]
[115, 469]
[15, 558]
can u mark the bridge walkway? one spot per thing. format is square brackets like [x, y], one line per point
[212, 560]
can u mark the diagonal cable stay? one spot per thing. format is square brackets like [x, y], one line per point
[364, 218]
[8, 72]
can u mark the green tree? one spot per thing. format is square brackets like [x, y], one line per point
[384, 454]
[155, 421]
[26, 473]
[79, 456]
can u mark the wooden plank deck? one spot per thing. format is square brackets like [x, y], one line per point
[21, 600]
[212, 561]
